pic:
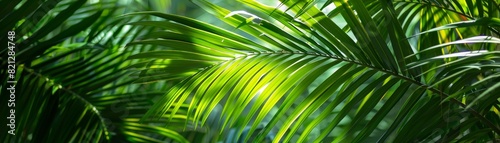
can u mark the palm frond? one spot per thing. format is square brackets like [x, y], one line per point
[305, 78]
[70, 64]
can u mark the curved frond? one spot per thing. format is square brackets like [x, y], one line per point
[305, 78]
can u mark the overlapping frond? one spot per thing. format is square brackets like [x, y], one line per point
[74, 79]
[302, 77]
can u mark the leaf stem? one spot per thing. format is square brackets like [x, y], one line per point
[78, 96]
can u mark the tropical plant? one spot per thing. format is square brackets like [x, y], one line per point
[301, 71]
[70, 81]
[333, 71]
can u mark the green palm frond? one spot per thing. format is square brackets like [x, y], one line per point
[296, 71]
[70, 69]
[301, 77]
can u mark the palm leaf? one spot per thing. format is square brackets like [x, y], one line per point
[314, 81]
[69, 75]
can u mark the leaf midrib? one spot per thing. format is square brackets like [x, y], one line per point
[78, 96]
[397, 75]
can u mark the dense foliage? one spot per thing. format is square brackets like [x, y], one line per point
[297, 71]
